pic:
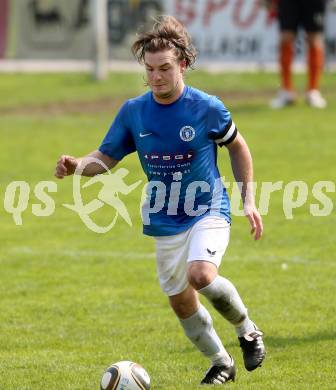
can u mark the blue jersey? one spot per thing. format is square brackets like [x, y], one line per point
[177, 147]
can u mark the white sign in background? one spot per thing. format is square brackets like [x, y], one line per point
[239, 30]
[224, 31]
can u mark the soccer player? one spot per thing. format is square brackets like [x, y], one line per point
[176, 131]
[293, 14]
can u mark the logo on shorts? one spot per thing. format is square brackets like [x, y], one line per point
[211, 253]
[187, 133]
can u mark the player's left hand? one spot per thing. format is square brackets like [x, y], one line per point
[255, 220]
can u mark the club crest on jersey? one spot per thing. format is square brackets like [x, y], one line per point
[187, 133]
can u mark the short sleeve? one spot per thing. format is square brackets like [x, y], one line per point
[221, 128]
[119, 141]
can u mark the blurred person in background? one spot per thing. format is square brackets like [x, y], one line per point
[292, 15]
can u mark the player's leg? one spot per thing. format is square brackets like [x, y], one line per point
[226, 300]
[315, 59]
[208, 241]
[286, 57]
[313, 19]
[194, 318]
[197, 324]
[221, 293]
[288, 15]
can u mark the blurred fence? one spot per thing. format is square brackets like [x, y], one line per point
[237, 31]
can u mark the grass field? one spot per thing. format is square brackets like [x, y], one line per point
[73, 301]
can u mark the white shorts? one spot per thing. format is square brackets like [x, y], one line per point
[206, 240]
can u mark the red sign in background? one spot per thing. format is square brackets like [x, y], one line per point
[3, 26]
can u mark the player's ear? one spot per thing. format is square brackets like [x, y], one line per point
[183, 66]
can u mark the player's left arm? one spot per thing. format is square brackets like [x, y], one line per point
[242, 168]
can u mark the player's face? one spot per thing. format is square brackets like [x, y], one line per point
[165, 75]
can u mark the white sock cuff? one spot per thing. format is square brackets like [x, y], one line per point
[225, 298]
[210, 287]
[218, 287]
[200, 318]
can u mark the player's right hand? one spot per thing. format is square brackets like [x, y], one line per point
[66, 166]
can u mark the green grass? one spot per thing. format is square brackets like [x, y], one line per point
[72, 301]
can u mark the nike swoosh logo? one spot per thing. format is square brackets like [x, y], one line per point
[144, 134]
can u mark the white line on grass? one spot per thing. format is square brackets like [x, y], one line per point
[81, 253]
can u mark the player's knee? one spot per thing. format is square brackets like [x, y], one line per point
[315, 41]
[201, 274]
[287, 38]
[200, 278]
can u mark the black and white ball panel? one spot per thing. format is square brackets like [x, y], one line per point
[140, 377]
[110, 379]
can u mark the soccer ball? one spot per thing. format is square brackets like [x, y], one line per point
[125, 375]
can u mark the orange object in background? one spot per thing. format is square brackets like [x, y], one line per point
[315, 62]
[4, 5]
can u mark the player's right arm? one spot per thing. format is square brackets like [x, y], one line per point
[117, 143]
[66, 165]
